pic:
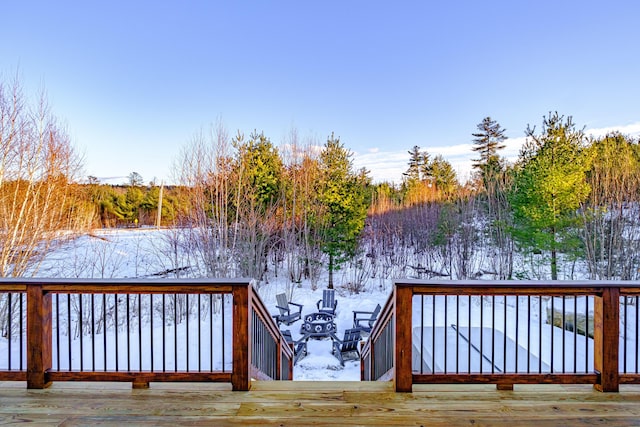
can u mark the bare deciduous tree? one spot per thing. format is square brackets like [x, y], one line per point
[204, 169]
[38, 197]
[611, 221]
[300, 206]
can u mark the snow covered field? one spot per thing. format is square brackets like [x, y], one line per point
[139, 253]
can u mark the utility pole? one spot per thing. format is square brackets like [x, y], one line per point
[159, 217]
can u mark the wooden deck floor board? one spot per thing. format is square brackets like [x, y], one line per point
[316, 404]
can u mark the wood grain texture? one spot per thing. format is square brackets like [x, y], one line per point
[38, 336]
[240, 377]
[605, 339]
[402, 357]
[300, 403]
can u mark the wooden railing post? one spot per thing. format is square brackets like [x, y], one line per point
[38, 336]
[362, 376]
[240, 377]
[290, 365]
[280, 344]
[403, 346]
[372, 359]
[606, 337]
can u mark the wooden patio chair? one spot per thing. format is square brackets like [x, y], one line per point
[299, 347]
[328, 303]
[290, 312]
[347, 348]
[364, 320]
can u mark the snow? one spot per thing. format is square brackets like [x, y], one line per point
[137, 253]
[320, 364]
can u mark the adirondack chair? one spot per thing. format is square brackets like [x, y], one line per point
[290, 312]
[328, 303]
[299, 347]
[364, 320]
[347, 348]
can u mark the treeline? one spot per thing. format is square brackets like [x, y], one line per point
[133, 205]
[244, 207]
[569, 205]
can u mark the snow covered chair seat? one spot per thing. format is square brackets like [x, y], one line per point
[328, 303]
[364, 320]
[347, 348]
[290, 312]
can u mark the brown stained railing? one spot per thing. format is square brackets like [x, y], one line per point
[377, 353]
[271, 356]
[629, 349]
[61, 332]
[500, 332]
[13, 334]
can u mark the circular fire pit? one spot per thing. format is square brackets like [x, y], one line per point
[318, 325]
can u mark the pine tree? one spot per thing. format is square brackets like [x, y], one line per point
[259, 168]
[487, 142]
[341, 192]
[443, 175]
[493, 179]
[550, 184]
[258, 175]
[415, 164]
[419, 166]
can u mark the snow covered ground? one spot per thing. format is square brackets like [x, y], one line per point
[139, 253]
[320, 364]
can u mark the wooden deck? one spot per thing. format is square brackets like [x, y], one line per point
[316, 403]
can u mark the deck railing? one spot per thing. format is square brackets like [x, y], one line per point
[506, 333]
[138, 331]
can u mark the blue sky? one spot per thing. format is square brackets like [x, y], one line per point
[135, 80]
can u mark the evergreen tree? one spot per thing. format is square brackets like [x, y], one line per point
[342, 193]
[426, 173]
[418, 180]
[487, 142]
[415, 164]
[443, 175]
[550, 184]
[133, 199]
[419, 165]
[259, 169]
[493, 179]
[258, 174]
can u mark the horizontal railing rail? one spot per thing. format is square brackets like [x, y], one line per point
[137, 331]
[507, 333]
